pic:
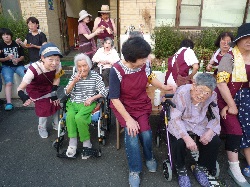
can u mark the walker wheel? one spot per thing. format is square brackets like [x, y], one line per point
[167, 171]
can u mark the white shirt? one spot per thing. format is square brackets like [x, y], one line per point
[107, 59]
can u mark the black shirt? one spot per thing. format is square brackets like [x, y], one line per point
[14, 49]
[38, 40]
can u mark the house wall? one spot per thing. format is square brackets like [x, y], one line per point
[131, 14]
[48, 19]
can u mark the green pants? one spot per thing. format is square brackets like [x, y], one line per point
[78, 119]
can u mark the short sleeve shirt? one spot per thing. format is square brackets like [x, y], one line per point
[38, 40]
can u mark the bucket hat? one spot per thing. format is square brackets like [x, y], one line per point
[104, 9]
[49, 49]
[243, 30]
[83, 14]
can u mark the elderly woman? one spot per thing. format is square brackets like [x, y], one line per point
[105, 57]
[131, 104]
[85, 87]
[41, 82]
[234, 75]
[86, 38]
[223, 41]
[106, 24]
[192, 101]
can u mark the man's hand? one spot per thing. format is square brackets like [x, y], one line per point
[190, 143]
[207, 137]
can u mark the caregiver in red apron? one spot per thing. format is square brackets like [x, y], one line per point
[131, 104]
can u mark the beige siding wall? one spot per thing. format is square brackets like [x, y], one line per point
[131, 14]
[48, 19]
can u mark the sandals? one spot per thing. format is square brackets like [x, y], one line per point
[71, 151]
[8, 107]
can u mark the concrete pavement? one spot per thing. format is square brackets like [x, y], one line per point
[27, 160]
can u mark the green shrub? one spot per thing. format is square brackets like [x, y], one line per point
[18, 27]
[167, 40]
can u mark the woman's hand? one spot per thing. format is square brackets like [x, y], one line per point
[233, 110]
[55, 102]
[209, 67]
[88, 102]
[77, 77]
[207, 137]
[169, 87]
[132, 127]
[27, 102]
[190, 143]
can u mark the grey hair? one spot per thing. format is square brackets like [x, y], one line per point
[206, 79]
[80, 57]
[135, 34]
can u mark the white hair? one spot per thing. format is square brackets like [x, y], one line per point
[80, 57]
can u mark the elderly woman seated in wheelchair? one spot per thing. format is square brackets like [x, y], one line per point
[85, 87]
[190, 116]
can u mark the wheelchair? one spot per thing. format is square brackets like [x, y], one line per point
[100, 119]
[168, 163]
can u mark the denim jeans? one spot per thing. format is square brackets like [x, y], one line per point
[8, 72]
[133, 149]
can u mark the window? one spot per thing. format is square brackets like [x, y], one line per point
[202, 13]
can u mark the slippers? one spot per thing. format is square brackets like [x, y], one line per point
[8, 107]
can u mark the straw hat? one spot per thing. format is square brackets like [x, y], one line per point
[83, 14]
[243, 30]
[104, 9]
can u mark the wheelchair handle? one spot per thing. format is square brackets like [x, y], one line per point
[213, 104]
[169, 102]
[169, 95]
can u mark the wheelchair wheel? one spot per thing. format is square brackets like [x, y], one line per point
[56, 142]
[103, 141]
[158, 139]
[167, 171]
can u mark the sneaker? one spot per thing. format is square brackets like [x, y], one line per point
[55, 127]
[134, 179]
[241, 184]
[200, 175]
[71, 151]
[246, 171]
[85, 157]
[8, 107]
[183, 179]
[43, 132]
[151, 165]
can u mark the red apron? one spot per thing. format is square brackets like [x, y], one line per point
[134, 97]
[39, 87]
[182, 65]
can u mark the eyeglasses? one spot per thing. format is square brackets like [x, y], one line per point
[201, 91]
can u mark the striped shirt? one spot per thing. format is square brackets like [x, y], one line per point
[86, 88]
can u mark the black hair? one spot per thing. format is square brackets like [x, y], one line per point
[109, 39]
[187, 43]
[221, 36]
[33, 20]
[135, 48]
[6, 31]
